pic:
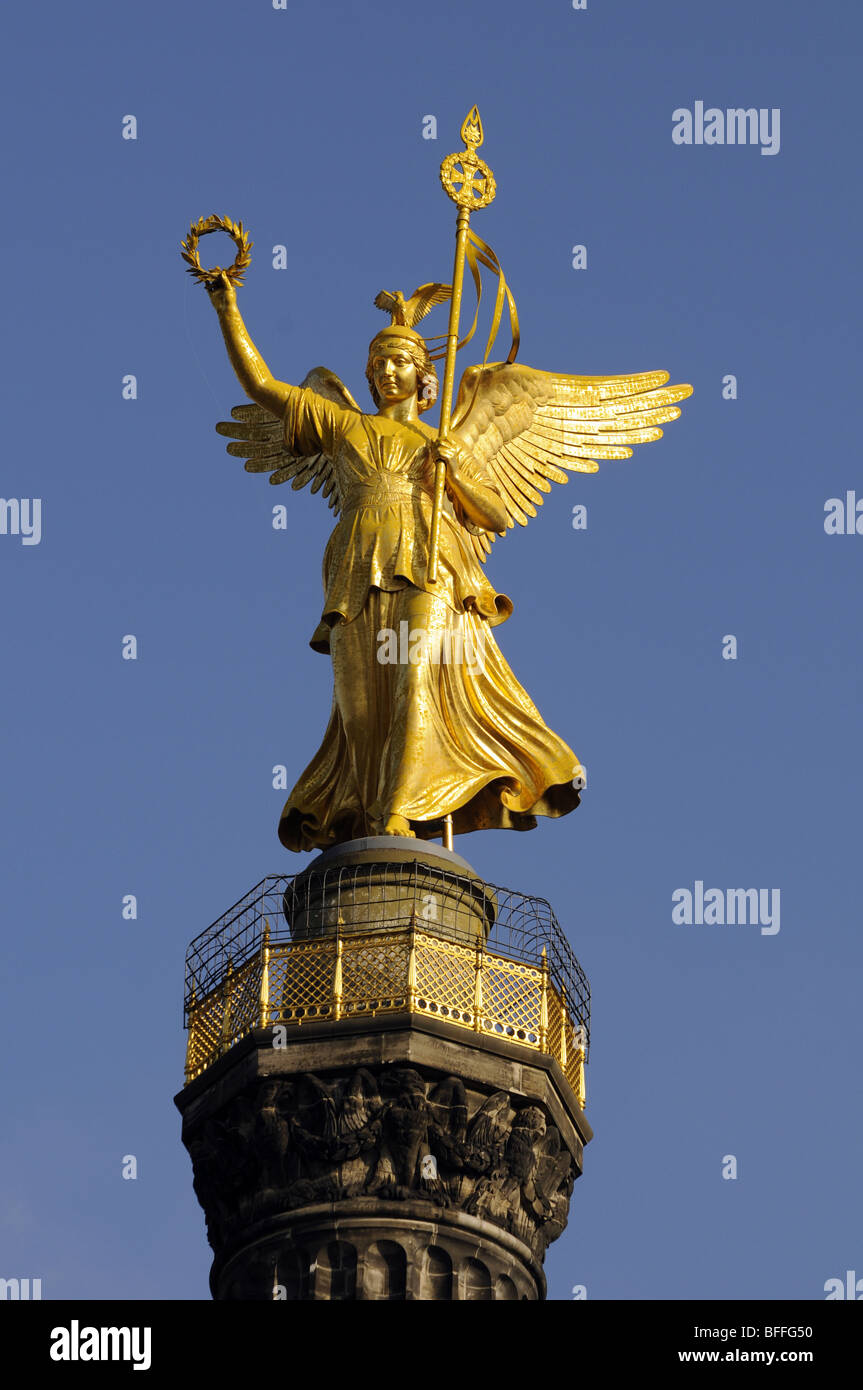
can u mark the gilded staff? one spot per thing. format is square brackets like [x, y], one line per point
[470, 183]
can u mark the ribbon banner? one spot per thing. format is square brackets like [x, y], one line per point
[477, 253]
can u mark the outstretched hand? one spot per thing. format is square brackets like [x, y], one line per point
[222, 294]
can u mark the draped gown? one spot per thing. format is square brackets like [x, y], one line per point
[427, 717]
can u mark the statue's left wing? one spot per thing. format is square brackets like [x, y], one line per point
[260, 440]
[523, 428]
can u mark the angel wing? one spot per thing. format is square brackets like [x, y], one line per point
[490, 1125]
[361, 1102]
[316, 1105]
[260, 437]
[448, 1104]
[525, 427]
[554, 1163]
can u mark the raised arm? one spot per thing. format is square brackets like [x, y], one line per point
[254, 375]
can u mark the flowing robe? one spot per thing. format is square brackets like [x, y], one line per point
[427, 717]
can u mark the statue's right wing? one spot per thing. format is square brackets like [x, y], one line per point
[260, 439]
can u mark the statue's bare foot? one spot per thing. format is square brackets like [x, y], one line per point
[399, 825]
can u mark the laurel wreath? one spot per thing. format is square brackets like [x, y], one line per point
[240, 237]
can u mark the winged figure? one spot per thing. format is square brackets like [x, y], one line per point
[489, 1130]
[428, 720]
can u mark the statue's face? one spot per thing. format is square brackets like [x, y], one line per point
[394, 372]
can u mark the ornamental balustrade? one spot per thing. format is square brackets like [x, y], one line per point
[372, 939]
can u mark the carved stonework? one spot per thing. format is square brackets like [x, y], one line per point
[289, 1143]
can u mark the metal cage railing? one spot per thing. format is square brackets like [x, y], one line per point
[368, 939]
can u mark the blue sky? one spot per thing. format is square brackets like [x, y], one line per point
[154, 777]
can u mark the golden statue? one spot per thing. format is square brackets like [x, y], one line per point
[430, 732]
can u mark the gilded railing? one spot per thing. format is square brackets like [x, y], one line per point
[365, 974]
[522, 984]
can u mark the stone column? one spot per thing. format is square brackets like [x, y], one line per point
[386, 1156]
